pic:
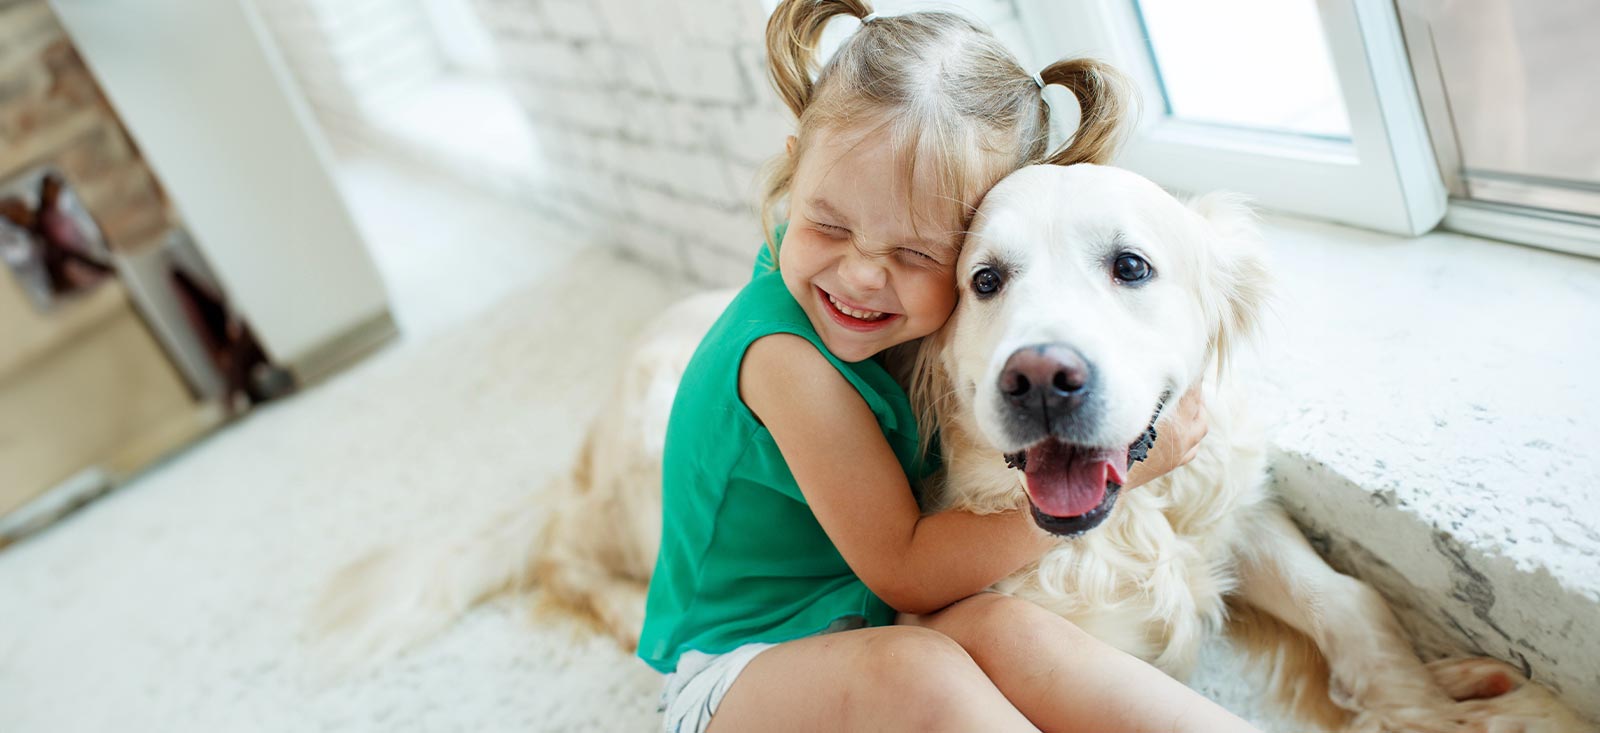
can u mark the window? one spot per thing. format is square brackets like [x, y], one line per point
[1307, 106]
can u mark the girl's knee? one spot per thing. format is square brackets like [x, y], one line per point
[1018, 625]
[926, 675]
[905, 650]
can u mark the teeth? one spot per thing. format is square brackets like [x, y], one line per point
[853, 313]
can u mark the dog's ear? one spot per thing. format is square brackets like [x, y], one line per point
[1241, 280]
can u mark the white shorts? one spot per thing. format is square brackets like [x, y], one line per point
[693, 692]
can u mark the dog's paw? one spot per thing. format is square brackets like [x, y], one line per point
[1495, 698]
[1475, 678]
[1487, 696]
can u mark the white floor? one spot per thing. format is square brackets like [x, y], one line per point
[177, 603]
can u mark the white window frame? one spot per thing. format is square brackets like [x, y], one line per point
[1386, 178]
[1553, 230]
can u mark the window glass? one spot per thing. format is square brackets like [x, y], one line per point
[1260, 64]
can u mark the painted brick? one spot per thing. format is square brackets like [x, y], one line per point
[757, 133]
[718, 22]
[651, 245]
[716, 268]
[691, 176]
[643, 21]
[637, 70]
[575, 19]
[745, 181]
[753, 16]
[53, 114]
[709, 74]
[95, 154]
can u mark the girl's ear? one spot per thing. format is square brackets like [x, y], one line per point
[788, 145]
[1240, 280]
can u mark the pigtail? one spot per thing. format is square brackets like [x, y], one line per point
[1105, 98]
[793, 34]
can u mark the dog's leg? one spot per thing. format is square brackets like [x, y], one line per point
[1373, 671]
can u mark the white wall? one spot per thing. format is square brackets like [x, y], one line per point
[207, 101]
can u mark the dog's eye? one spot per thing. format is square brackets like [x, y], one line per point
[1131, 268]
[986, 282]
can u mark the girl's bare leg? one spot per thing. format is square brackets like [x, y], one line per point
[896, 678]
[1063, 679]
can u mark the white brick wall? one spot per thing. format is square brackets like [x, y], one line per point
[656, 115]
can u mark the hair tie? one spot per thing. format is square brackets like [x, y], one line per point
[869, 18]
[1038, 79]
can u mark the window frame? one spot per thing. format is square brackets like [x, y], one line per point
[1554, 230]
[1386, 178]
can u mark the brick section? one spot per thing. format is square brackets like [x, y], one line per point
[655, 116]
[52, 113]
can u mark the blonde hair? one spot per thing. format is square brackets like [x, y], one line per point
[946, 90]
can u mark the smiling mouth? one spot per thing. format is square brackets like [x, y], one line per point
[853, 318]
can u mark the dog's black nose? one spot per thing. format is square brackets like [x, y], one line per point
[1048, 377]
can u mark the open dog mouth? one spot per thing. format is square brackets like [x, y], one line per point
[1072, 488]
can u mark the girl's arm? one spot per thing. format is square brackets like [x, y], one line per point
[860, 495]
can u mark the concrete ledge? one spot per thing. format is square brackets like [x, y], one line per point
[1437, 418]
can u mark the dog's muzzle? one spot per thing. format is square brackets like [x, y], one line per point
[1072, 488]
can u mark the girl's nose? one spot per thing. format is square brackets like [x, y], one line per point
[863, 272]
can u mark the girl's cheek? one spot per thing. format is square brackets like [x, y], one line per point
[937, 291]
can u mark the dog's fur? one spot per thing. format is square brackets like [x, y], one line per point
[1203, 550]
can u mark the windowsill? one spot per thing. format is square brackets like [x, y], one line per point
[1436, 414]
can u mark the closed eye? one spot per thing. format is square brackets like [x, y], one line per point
[836, 231]
[917, 255]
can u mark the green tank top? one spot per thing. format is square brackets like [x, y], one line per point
[742, 557]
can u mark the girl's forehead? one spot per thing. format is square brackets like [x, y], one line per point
[864, 177]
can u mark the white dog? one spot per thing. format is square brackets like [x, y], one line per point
[1088, 297]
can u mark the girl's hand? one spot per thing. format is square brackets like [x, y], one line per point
[1177, 441]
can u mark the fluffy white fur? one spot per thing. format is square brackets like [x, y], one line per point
[1199, 552]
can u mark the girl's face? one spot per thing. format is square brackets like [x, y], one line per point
[867, 278]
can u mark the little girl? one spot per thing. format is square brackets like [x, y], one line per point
[797, 585]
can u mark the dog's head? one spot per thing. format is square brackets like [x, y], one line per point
[1088, 297]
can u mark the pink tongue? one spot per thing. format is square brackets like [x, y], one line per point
[1066, 481]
